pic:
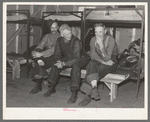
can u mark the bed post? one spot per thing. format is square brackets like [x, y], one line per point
[82, 29]
[114, 32]
[141, 47]
[42, 24]
[84, 23]
[28, 40]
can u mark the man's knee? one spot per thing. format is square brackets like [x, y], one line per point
[92, 62]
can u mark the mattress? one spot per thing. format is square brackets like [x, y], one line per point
[16, 17]
[61, 17]
[114, 15]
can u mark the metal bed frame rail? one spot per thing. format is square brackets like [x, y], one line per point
[46, 14]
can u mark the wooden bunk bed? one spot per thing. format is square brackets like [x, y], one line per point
[72, 18]
[117, 18]
[20, 17]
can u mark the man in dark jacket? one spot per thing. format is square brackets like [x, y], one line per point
[68, 53]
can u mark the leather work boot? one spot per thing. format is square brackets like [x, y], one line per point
[50, 91]
[86, 100]
[42, 74]
[37, 88]
[95, 94]
[73, 97]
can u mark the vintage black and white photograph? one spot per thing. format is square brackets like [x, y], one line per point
[75, 60]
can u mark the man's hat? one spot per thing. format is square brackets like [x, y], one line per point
[50, 22]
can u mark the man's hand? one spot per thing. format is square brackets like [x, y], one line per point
[36, 54]
[59, 64]
[99, 41]
[109, 63]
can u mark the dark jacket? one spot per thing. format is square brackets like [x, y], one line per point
[68, 52]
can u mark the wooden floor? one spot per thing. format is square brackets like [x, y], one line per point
[17, 95]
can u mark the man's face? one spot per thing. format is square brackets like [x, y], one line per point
[99, 32]
[54, 28]
[67, 35]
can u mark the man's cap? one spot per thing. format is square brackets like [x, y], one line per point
[50, 22]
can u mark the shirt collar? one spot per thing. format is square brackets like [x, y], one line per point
[56, 34]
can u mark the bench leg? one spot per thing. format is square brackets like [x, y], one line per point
[113, 91]
[16, 69]
[116, 89]
[13, 70]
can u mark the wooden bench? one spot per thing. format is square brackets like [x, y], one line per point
[111, 81]
[14, 68]
[14, 61]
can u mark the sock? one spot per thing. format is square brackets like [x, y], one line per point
[94, 83]
[40, 62]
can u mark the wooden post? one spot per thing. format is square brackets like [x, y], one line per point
[114, 32]
[82, 31]
[140, 55]
[84, 24]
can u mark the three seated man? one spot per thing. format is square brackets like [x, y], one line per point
[68, 53]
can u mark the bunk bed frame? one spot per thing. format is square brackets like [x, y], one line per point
[70, 22]
[119, 23]
[29, 21]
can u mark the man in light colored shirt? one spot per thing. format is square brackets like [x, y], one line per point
[103, 52]
[43, 55]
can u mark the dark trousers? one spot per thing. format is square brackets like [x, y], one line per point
[75, 74]
[96, 71]
[48, 62]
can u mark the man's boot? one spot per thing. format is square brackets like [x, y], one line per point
[95, 94]
[42, 73]
[73, 97]
[38, 87]
[86, 100]
[50, 90]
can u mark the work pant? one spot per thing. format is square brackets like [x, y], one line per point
[75, 82]
[95, 71]
[48, 62]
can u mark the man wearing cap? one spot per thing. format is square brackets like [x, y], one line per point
[43, 55]
[68, 54]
